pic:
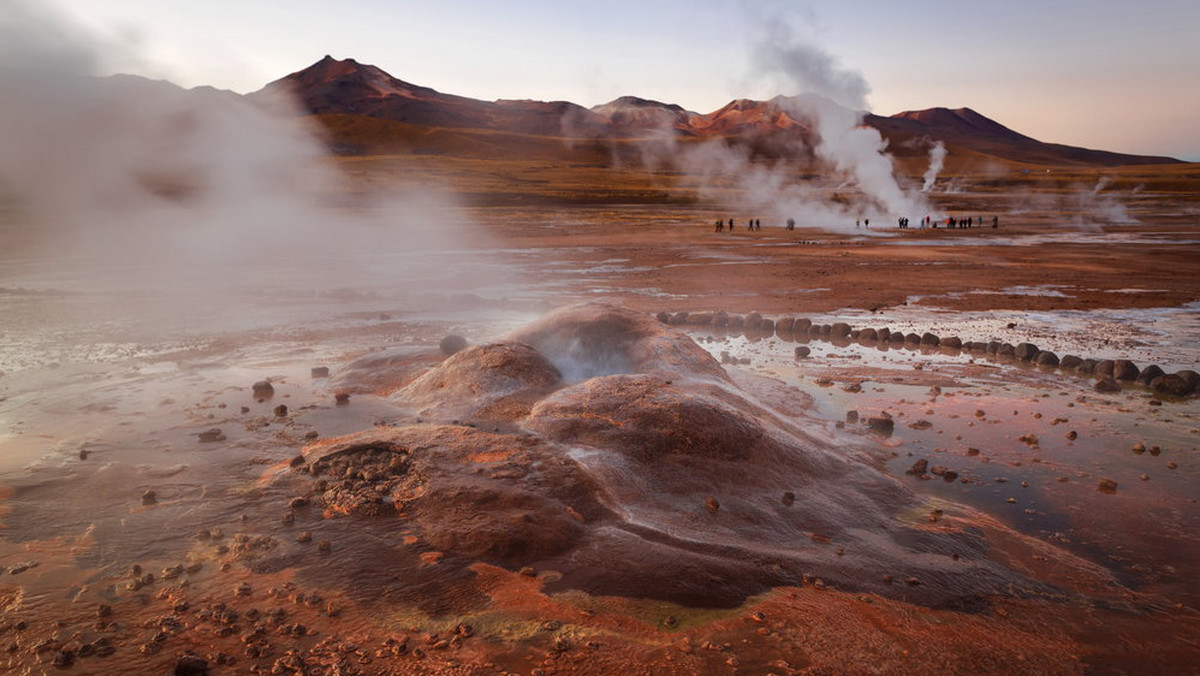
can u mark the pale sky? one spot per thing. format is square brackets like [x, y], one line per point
[1112, 75]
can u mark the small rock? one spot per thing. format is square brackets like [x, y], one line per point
[191, 665]
[342, 398]
[281, 411]
[789, 499]
[263, 388]
[1107, 385]
[711, 504]
[149, 498]
[452, 343]
[802, 351]
[211, 435]
[320, 372]
[1108, 486]
[919, 467]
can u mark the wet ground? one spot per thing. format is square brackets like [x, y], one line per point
[130, 539]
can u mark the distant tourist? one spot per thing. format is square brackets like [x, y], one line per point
[791, 224]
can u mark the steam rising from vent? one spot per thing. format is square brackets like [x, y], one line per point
[128, 183]
[853, 150]
[937, 160]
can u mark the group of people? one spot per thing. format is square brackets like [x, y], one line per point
[755, 224]
[752, 225]
[951, 222]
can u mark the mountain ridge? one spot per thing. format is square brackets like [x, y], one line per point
[347, 87]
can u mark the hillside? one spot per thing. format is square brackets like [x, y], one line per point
[334, 89]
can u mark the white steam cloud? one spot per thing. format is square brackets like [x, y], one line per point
[836, 105]
[937, 160]
[131, 183]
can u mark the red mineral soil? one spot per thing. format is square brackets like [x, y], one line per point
[598, 491]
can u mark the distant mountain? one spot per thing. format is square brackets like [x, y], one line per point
[337, 88]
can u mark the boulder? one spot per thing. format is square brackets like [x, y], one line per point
[993, 347]
[700, 318]
[754, 321]
[1123, 369]
[767, 325]
[1026, 351]
[721, 318]
[1172, 384]
[1087, 366]
[785, 325]
[802, 351]
[1104, 368]
[868, 336]
[1046, 358]
[912, 339]
[883, 335]
[930, 339]
[952, 342]
[1070, 362]
[1107, 384]
[679, 318]
[1006, 350]
[802, 325]
[263, 388]
[1149, 373]
[1191, 377]
[839, 329]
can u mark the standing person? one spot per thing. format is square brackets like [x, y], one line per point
[720, 225]
[857, 223]
[791, 224]
[866, 222]
[995, 222]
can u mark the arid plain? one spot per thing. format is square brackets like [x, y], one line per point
[782, 500]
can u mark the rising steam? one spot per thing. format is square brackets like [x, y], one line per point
[130, 183]
[937, 160]
[836, 105]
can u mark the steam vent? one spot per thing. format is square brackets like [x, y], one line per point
[603, 445]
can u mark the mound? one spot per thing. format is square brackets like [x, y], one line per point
[598, 339]
[494, 381]
[651, 475]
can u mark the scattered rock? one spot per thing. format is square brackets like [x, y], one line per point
[320, 372]
[263, 388]
[211, 435]
[281, 411]
[919, 467]
[191, 665]
[1108, 486]
[789, 499]
[882, 425]
[149, 498]
[711, 504]
[851, 417]
[341, 398]
[802, 351]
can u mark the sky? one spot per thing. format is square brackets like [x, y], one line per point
[1121, 76]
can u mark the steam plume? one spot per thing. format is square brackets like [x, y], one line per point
[131, 183]
[937, 159]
